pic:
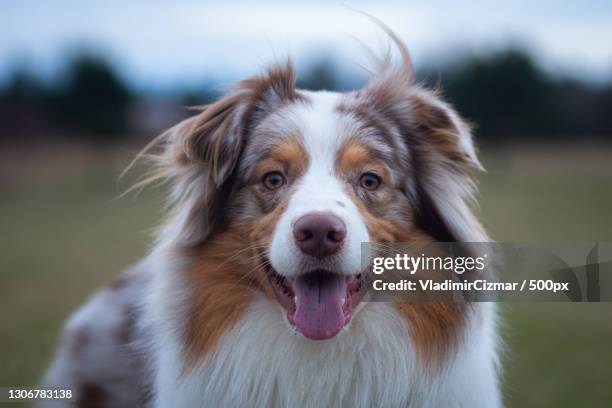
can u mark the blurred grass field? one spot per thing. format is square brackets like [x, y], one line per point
[64, 233]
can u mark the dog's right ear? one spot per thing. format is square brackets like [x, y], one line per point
[201, 153]
[214, 138]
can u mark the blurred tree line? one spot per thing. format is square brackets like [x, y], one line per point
[89, 99]
[509, 96]
[505, 94]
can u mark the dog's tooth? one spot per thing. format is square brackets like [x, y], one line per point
[295, 299]
[343, 301]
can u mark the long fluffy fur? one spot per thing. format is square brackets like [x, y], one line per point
[258, 359]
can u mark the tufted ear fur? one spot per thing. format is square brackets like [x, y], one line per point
[440, 149]
[443, 158]
[199, 155]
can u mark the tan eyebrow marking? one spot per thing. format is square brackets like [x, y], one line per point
[352, 155]
[289, 155]
[291, 151]
[356, 155]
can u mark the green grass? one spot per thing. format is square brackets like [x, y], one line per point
[558, 354]
[64, 233]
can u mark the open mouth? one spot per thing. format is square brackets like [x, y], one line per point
[319, 303]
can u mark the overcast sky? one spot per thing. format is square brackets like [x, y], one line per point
[169, 43]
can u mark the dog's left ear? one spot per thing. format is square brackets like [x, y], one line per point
[444, 159]
[439, 149]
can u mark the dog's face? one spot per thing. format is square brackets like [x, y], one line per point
[283, 186]
[325, 180]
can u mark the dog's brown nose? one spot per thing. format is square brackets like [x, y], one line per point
[319, 234]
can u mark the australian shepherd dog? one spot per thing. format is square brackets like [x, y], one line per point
[253, 293]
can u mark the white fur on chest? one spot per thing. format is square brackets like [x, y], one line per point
[262, 363]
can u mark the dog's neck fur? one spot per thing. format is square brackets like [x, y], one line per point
[263, 362]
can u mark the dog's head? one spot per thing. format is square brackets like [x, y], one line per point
[278, 188]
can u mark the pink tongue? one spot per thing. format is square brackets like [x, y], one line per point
[318, 313]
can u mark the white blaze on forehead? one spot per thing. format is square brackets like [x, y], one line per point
[320, 189]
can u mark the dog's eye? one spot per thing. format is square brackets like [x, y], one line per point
[273, 180]
[369, 181]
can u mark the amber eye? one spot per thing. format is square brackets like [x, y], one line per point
[273, 180]
[369, 181]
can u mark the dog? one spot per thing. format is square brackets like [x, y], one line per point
[253, 294]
